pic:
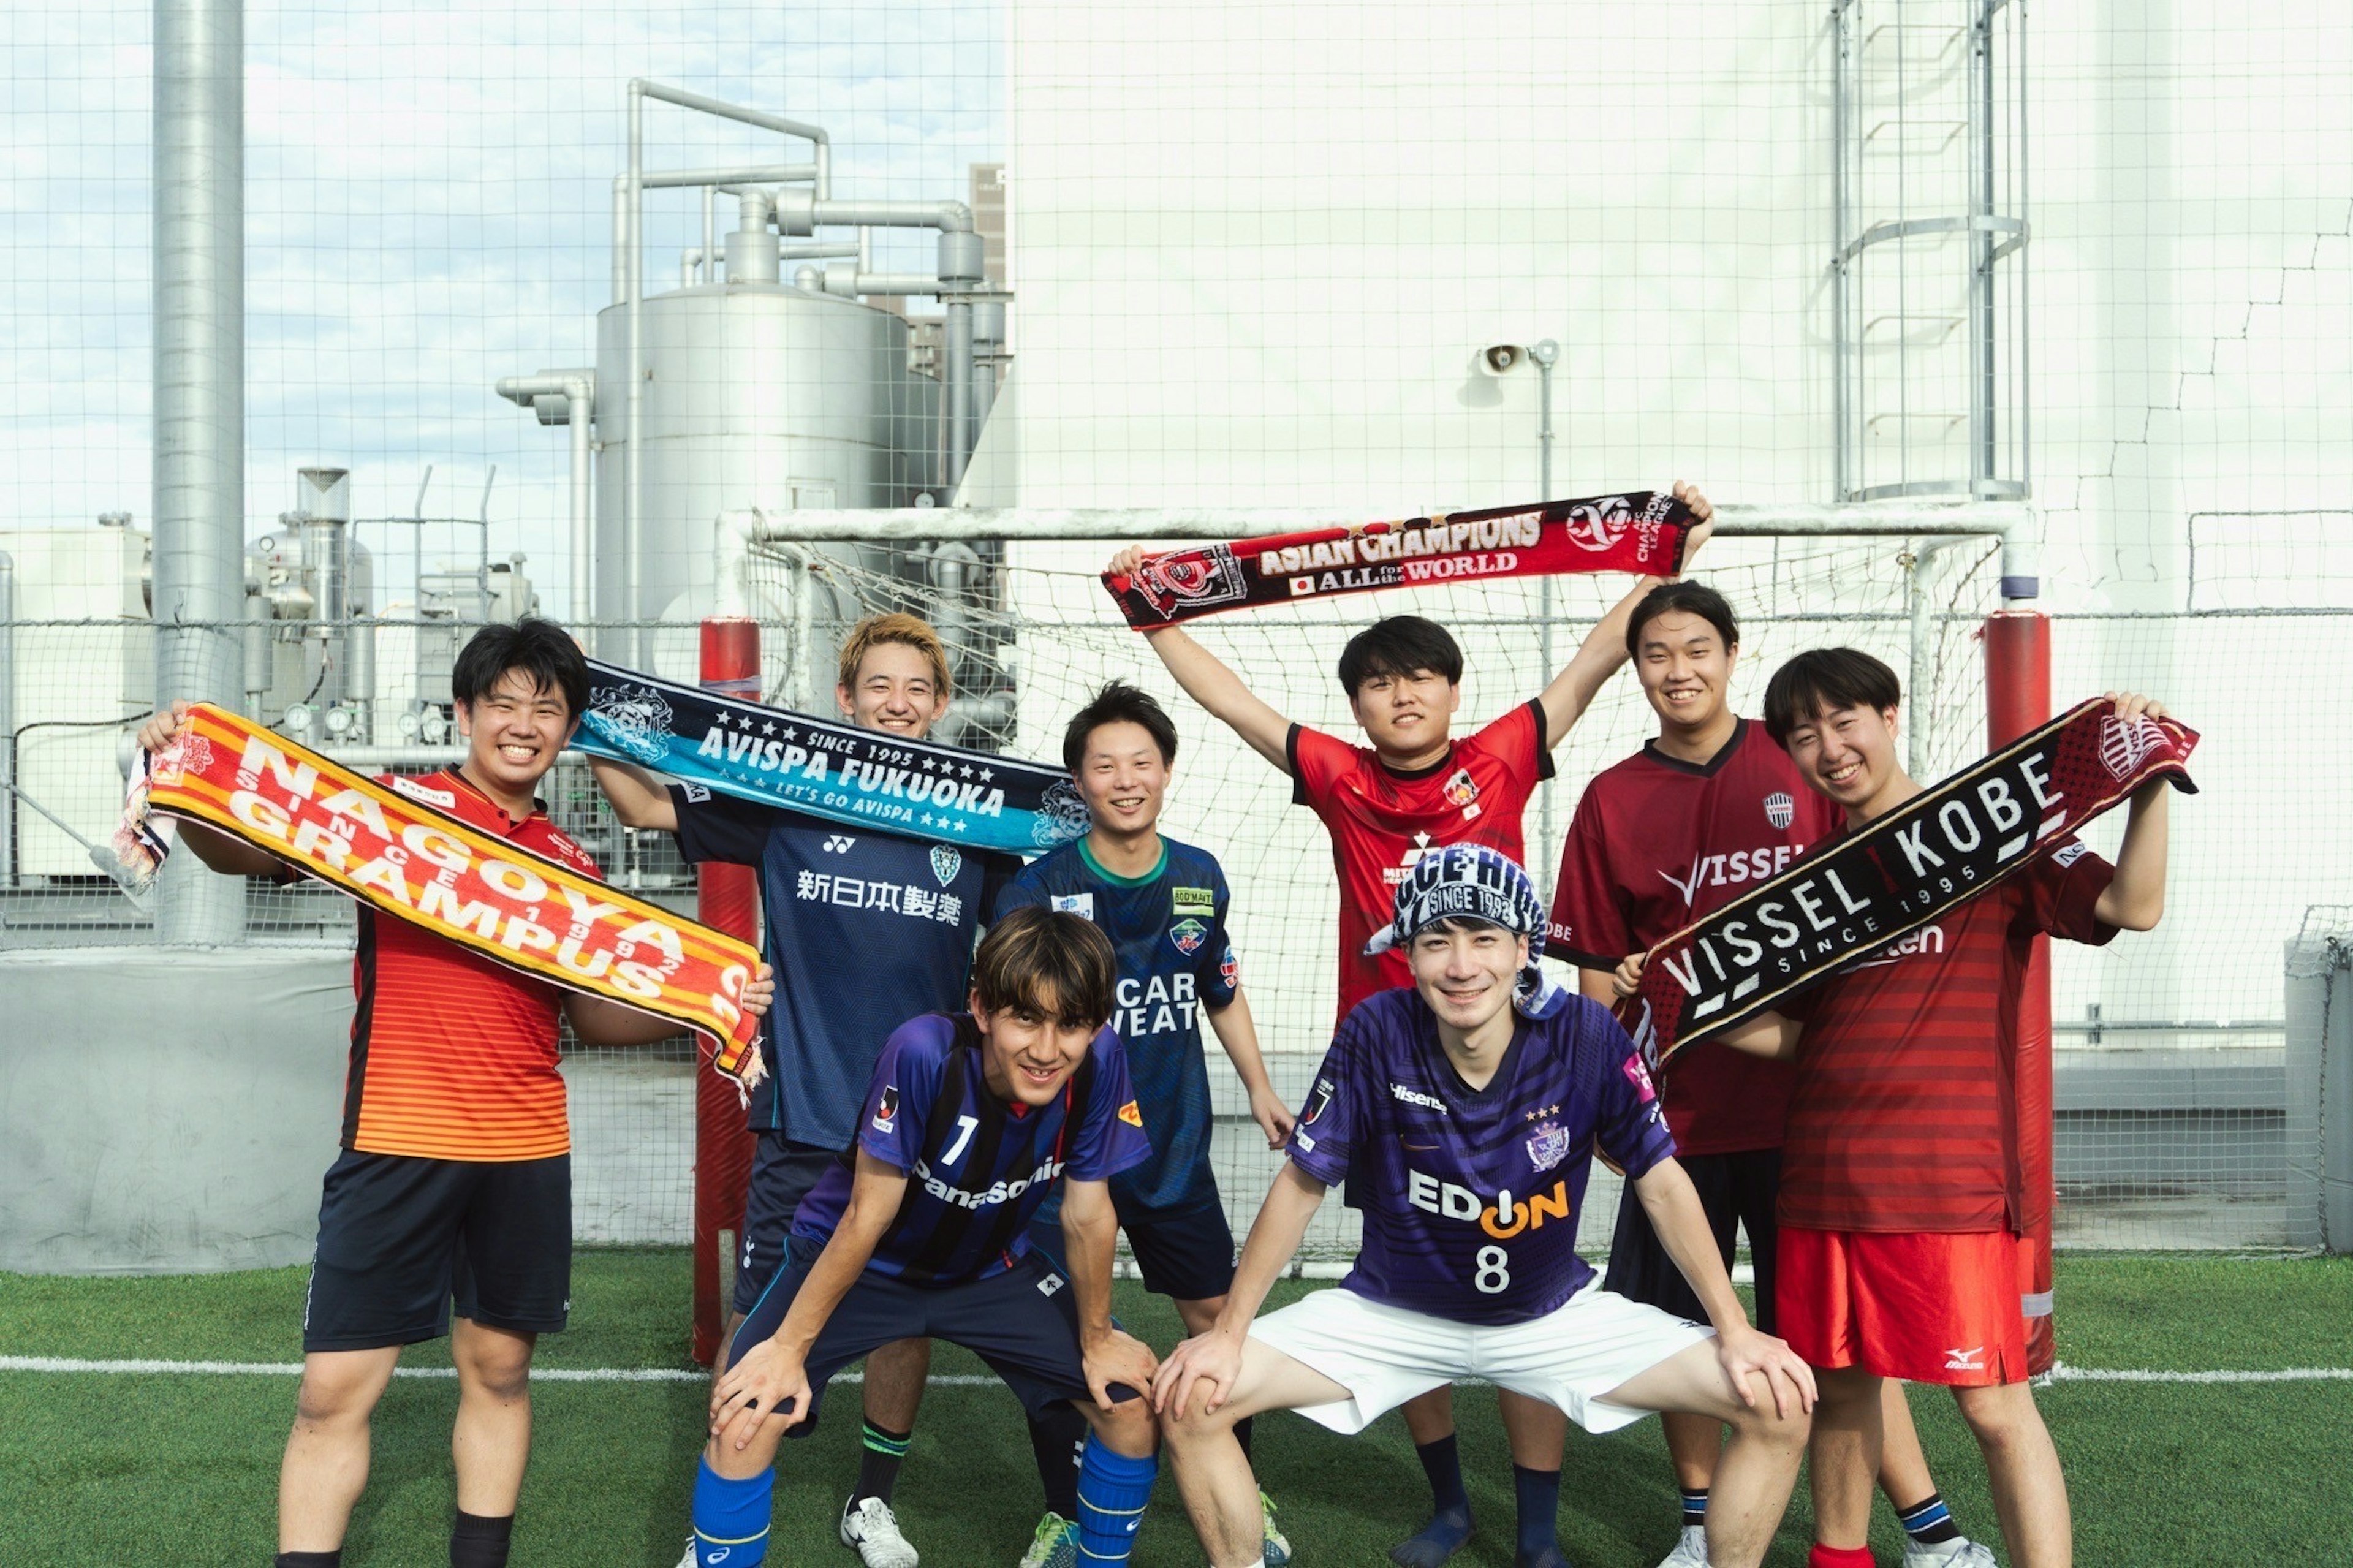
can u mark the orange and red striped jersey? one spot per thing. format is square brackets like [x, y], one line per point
[453, 1056]
[1904, 1116]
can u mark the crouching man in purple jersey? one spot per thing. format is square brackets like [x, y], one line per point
[1465, 1110]
[969, 1124]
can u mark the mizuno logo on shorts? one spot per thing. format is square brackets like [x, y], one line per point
[1970, 1360]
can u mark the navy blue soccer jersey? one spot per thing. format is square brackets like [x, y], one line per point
[977, 1167]
[1471, 1197]
[865, 929]
[1168, 928]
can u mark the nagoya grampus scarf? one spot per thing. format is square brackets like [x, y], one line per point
[403, 857]
[1642, 532]
[1926, 857]
[865, 778]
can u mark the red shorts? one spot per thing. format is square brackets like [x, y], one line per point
[1926, 1307]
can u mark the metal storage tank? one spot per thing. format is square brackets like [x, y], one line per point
[755, 395]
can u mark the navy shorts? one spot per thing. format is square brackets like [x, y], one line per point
[997, 1318]
[1184, 1254]
[1736, 1190]
[401, 1237]
[783, 1172]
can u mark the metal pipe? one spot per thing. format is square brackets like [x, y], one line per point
[948, 218]
[710, 234]
[8, 721]
[987, 346]
[727, 176]
[578, 389]
[1981, 252]
[957, 374]
[1546, 354]
[199, 401]
[848, 284]
[620, 238]
[1919, 692]
[816, 134]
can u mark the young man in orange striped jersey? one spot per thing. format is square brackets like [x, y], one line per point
[454, 1181]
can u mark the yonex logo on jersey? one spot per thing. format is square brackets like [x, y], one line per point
[1970, 1360]
[839, 844]
[1780, 809]
[1415, 1097]
[1503, 1219]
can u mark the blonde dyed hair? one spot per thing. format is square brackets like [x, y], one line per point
[912, 631]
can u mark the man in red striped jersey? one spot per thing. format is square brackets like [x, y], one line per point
[1902, 1250]
[454, 1181]
[1696, 817]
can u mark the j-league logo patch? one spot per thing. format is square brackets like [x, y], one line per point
[1316, 1102]
[1548, 1146]
[947, 861]
[1188, 935]
[886, 1108]
[1780, 809]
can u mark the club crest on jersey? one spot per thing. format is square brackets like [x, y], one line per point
[1548, 1146]
[1461, 790]
[1316, 1102]
[947, 861]
[1188, 935]
[1230, 969]
[1080, 904]
[1780, 809]
[886, 1108]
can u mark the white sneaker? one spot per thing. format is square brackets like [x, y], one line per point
[1691, 1551]
[687, 1560]
[872, 1529]
[1958, 1552]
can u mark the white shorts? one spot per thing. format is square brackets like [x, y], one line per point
[1386, 1355]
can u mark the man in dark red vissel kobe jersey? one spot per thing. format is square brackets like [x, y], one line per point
[1902, 1233]
[1698, 817]
[1414, 791]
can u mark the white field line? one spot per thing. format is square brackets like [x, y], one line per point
[73, 1365]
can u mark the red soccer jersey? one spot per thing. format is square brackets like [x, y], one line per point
[1656, 844]
[1382, 821]
[453, 1057]
[1905, 1113]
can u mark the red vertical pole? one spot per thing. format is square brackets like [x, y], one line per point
[729, 901]
[2018, 697]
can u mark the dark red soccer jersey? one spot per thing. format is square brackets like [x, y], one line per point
[1382, 821]
[453, 1057]
[1656, 844]
[1905, 1113]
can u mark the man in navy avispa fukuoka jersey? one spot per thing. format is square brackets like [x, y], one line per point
[1164, 906]
[1467, 1107]
[970, 1122]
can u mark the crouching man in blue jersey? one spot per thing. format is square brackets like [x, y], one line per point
[969, 1124]
[1467, 1108]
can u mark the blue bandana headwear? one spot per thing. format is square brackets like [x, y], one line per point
[1471, 882]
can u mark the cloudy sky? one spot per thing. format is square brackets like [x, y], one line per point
[427, 210]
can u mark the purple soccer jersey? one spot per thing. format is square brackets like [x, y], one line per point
[1470, 1198]
[977, 1166]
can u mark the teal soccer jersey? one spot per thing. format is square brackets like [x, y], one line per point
[1168, 928]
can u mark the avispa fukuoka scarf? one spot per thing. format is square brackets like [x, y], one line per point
[865, 778]
[1642, 532]
[1928, 857]
[402, 857]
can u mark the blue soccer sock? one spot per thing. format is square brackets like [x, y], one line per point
[1113, 1491]
[1538, 1493]
[1929, 1521]
[730, 1518]
[1694, 1508]
[1450, 1525]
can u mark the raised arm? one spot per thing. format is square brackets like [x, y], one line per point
[1603, 651]
[1238, 1032]
[638, 798]
[1208, 682]
[2135, 897]
[229, 855]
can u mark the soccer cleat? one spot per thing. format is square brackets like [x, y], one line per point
[1056, 1544]
[689, 1561]
[1958, 1552]
[869, 1528]
[1691, 1551]
[1276, 1552]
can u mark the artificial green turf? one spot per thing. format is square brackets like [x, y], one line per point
[182, 1468]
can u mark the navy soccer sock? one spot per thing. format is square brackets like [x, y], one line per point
[1929, 1521]
[1450, 1525]
[479, 1541]
[310, 1559]
[730, 1518]
[1695, 1509]
[1056, 1438]
[1538, 1493]
[880, 1455]
[1113, 1491]
[1242, 1429]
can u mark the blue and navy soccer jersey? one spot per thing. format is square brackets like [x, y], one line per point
[977, 1167]
[1471, 1197]
[1168, 929]
[865, 929]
